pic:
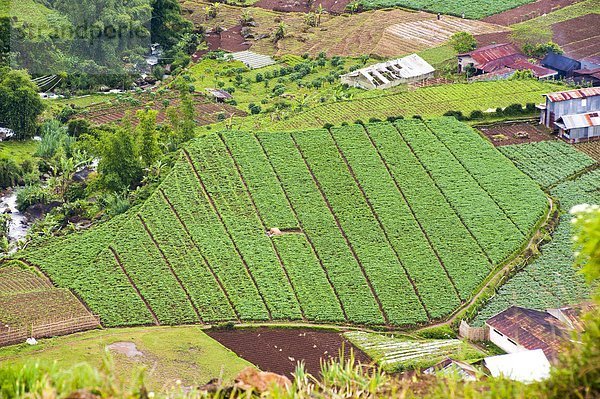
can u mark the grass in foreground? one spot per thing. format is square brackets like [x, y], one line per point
[169, 354]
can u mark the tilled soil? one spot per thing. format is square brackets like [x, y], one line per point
[331, 6]
[579, 37]
[508, 133]
[527, 11]
[279, 349]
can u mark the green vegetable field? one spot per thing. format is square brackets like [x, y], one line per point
[472, 9]
[551, 280]
[378, 225]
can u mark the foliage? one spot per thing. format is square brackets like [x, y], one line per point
[33, 194]
[54, 139]
[119, 165]
[20, 105]
[339, 197]
[475, 9]
[147, 135]
[463, 42]
[10, 173]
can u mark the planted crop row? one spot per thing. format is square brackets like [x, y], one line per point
[513, 192]
[428, 101]
[187, 262]
[223, 185]
[407, 238]
[319, 225]
[471, 202]
[381, 265]
[462, 256]
[547, 162]
[208, 233]
[585, 189]
[316, 295]
[471, 8]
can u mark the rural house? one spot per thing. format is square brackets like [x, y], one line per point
[565, 66]
[390, 73]
[573, 114]
[449, 366]
[500, 61]
[519, 329]
[219, 95]
[587, 77]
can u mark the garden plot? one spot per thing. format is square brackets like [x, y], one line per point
[430, 32]
[579, 37]
[196, 251]
[590, 148]
[515, 133]
[397, 353]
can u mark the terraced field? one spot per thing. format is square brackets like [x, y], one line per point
[427, 102]
[550, 280]
[31, 306]
[383, 225]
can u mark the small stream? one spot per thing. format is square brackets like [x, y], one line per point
[19, 224]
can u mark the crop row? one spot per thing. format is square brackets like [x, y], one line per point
[547, 162]
[460, 253]
[585, 189]
[403, 231]
[472, 203]
[218, 175]
[471, 8]
[365, 236]
[316, 295]
[428, 101]
[320, 226]
[522, 202]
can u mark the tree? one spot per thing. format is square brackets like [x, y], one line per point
[119, 166]
[20, 104]
[168, 26]
[528, 37]
[280, 32]
[148, 150]
[463, 42]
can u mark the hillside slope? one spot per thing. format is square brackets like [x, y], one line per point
[388, 224]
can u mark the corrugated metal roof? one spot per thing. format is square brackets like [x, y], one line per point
[522, 63]
[595, 73]
[253, 60]
[493, 52]
[560, 62]
[531, 329]
[571, 94]
[402, 68]
[577, 121]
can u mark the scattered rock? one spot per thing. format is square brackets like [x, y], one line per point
[274, 231]
[260, 381]
[125, 348]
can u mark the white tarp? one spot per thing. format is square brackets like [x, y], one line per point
[526, 366]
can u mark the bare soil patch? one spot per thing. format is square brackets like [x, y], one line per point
[515, 133]
[128, 349]
[279, 350]
[331, 6]
[579, 37]
[527, 11]
[492, 38]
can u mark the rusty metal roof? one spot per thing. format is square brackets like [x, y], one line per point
[522, 63]
[531, 329]
[572, 94]
[493, 52]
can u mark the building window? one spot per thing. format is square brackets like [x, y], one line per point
[498, 332]
[511, 341]
[584, 102]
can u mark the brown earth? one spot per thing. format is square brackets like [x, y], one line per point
[579, 37]
[492, 38]
[528, 11]
[279, 350]
[331, 6]
[508, 133]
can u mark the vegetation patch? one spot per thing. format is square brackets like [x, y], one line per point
[196, 250]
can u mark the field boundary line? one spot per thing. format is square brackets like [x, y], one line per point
[491, 263]
[308, 239]
[474, 178]
[381, 226]
[262, 223]
[135, 287]
[412, 212]
[168, 263]
[216, 211]
[208, 266]
[574, 176]
[337, 222]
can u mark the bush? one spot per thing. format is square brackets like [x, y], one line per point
[10, 173]
[475, 115]
[513, 109]
[32, 195]
[254, 108]
[359, 122]
[374, 120]
[530, 108]
[419, 117]
[327, 126]
[457, 114]
[499, 111]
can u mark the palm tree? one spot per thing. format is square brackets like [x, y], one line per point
[319, 12]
